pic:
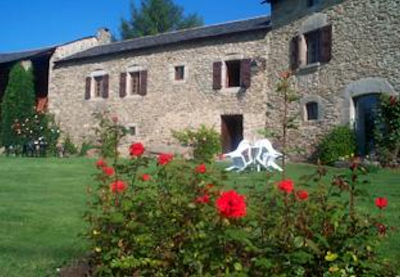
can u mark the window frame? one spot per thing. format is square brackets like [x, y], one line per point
[135, 126]
[93, 84]
[134, 69]
[177, 76]
[172, 73]
[310, 106]
[304, 101]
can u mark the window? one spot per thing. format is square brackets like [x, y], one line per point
[135, 83]
[98, 86]
[313, 44]
[311, 48]
[312, 111]
[179, 73]
[232, 74]
[132, 130]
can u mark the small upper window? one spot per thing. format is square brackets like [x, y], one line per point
[135, 83]
[312, 111]
[233, 73]
[98, 86]
[179, 73]
[313, 44]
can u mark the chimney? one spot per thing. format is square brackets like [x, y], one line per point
[104, 36]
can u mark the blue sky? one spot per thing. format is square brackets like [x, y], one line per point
[31, 24]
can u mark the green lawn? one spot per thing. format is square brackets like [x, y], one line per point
[42, 202]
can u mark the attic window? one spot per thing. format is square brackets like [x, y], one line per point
[179, 73]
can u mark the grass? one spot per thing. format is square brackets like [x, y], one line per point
[41, 206]
[42, 202]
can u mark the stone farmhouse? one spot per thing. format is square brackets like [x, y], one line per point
[344, 54]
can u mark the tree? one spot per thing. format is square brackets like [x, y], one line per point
[157, 16]
[18, 105]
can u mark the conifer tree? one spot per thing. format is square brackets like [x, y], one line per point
[157, 16]
[18, 105]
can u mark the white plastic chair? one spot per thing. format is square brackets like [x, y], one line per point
[241, 157]
[265, 155]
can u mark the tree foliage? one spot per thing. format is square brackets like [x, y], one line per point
[157, 16]
[18, 104]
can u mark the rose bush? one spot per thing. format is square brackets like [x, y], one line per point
[188, 220]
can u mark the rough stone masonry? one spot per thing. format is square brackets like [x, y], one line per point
[340, 51]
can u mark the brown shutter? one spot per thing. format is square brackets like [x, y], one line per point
[122, 85]
[88, 87]
[217, 75]
[105, 86]
[143, 83]
[245, 73]
[294, 53]
[325, 54]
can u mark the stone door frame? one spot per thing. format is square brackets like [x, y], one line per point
[362, 87]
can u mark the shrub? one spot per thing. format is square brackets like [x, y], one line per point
[205, 141]
[181, 219]
[109, 132]
[387, 132]
[85, 147]
[17, 106]
[69, 147]
[340, 142]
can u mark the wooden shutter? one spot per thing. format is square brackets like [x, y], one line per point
[105, 86]
[245, 73]
[294, 53]
[88, 88]
[325, 54]
[122, 85]
[143, 83]
[217, 75]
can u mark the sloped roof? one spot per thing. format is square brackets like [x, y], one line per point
[252, 24]
[18, 56]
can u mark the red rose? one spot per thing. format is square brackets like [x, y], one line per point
[118, 186]
[286, 185]
[302, 194]
[203, 199]
[146, 177]
[231, 204]
[109, 171]
[101, 163]
[381, 202]
[201, 169]
[136, 149]
[164, 159]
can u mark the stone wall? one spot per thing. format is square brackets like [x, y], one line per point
[365, 59]
[168, 104]
[366, 37]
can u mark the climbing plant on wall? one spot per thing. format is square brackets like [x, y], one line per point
[387, 132]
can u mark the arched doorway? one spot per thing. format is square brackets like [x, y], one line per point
[361, 99]
[366, 110]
